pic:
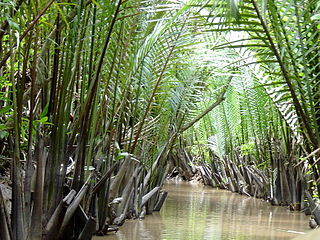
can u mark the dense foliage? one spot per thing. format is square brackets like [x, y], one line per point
[94, 89]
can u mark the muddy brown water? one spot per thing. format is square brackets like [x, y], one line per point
[196, 212]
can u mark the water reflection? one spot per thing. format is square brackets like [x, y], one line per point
[193, 212]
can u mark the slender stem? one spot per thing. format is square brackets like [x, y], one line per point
[29, 28]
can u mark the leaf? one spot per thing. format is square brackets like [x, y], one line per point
[44, 112]
[3, 134]
[315, 17]
[121, 155]
[13, 24]
[5, 109]
[234, 9]
[43, 120]
[63, 15]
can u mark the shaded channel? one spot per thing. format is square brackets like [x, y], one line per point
[193, 212]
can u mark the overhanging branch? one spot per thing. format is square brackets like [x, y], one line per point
[206, 111]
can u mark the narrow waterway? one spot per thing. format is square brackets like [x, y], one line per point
[196, 212]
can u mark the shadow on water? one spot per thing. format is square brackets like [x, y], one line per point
[193, 212]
